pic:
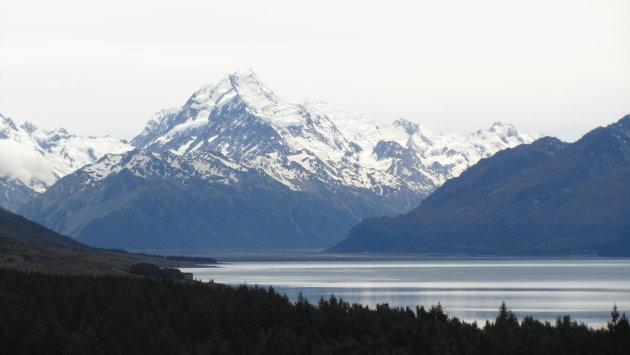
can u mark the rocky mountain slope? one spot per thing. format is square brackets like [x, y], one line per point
[237, 167]
[547, 197]
[32, 159]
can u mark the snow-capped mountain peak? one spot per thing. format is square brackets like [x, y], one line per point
[28, 127]
[37, 157]
[7, 126]
[240, 124]
[160, 116]
[238, 164]
[242, 119]
[503, 128]
[409, 127]
[157, 125]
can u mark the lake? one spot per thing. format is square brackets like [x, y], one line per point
[470, 289]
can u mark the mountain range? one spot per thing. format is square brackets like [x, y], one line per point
[33, 159]
[547, 197]
[237, 167]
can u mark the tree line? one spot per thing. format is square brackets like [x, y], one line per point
[62, 314]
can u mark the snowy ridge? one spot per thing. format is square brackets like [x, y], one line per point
[165, 165]
[239, 124]
[37, 158]
[243, 120]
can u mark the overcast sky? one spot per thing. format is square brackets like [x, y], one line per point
[103, 67]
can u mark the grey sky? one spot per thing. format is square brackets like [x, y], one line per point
[103, 67]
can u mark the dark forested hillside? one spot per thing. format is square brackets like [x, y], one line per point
[26, 245]
[43, 314]
[21, 229]
[547, 197]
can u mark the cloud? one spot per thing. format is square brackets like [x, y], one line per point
[19, 161]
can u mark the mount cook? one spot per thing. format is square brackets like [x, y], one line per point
[237, 167]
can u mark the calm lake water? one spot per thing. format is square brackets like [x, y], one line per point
[470, 289]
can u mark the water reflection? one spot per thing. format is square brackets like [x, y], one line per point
[468, 289]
